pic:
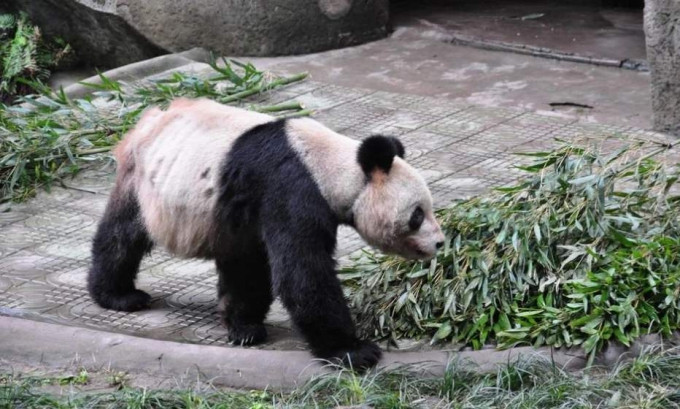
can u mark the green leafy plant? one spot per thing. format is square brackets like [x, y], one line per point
[584, 251]
[51, 136]
[26, 57]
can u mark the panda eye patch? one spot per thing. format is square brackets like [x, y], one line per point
[416, 219]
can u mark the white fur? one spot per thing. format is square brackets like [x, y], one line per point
[331, 158]
[171, 155]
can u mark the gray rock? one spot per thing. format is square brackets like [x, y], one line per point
[257, 27]
[662, 31]
[99, 36]
[109, 33]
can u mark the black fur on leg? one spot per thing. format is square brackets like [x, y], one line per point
[244, 291]
[244, 286]
[118, 247]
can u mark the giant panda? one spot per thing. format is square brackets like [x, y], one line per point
[262, 197]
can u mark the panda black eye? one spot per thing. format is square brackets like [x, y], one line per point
[417, 218]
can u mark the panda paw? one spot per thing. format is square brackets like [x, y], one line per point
[248, 334]
[362, 356]
[134, 300]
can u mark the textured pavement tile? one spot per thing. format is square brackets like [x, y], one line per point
[472, 120]
[355, 114]
[457, 187]
[418, 143]
[395, 123]
[329, 96]
[13, 216]
[412, 103]
[542, 122]
[443, 162]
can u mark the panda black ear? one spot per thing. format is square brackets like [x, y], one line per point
[378, 152]
[398, 146]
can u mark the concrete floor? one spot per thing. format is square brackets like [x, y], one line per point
[408, 63]
[419, 59]
[585, 29]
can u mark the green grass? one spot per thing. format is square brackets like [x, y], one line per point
[650, 381]
[51, 136]
[583, 251]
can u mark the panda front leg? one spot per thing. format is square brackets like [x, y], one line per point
[119, 245]
[244, 292]
[304, 277]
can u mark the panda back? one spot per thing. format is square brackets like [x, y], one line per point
[178, 156]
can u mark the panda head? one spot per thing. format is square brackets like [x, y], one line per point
[394, 210]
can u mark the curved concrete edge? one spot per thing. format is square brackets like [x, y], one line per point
[61, 347]
[140, 70]
[58, 346]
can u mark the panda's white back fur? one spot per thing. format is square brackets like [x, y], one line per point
[177, 156]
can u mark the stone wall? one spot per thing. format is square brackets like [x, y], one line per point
[108, 33]
[662, 30]
[257, 27]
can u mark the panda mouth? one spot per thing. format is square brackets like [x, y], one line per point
[414, 250]
[419, 253]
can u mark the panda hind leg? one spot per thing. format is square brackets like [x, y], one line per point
[245, 293]
[119, 245]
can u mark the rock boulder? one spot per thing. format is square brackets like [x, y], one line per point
[114, 32]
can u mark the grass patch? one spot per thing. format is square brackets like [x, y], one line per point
[51, 136]
[584, 251]
[650, 381]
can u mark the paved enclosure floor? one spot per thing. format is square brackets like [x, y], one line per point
[419, 59]
[461, 149]
[587, 29]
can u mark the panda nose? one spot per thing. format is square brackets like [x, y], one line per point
[439, 244]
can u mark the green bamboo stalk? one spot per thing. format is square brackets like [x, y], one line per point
[267, 87]
[94, 151]
[286, 106]
[304, 112]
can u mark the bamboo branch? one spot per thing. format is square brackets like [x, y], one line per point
[111, 129]
[261, 88]
[304, 112]
[286, 106]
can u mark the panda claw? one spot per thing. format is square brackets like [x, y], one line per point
[362, 356]
[244, 335]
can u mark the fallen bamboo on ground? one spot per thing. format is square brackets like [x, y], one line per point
[47, 140]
